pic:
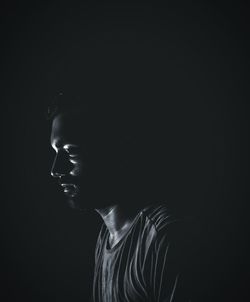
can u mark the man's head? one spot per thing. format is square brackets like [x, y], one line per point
[95, 160]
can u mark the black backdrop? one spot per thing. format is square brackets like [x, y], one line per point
[184, 64]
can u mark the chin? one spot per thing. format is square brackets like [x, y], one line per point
[82, 203]
[74, 202]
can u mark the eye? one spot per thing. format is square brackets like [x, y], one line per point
[72, 151]
[73, 155]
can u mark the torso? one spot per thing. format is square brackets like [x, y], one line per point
[123, 272]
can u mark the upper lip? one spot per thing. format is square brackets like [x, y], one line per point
[64, 185]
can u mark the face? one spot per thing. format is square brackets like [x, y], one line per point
[85, 165]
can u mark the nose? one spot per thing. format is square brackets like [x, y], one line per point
[60, 166]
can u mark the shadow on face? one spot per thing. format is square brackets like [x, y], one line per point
[91, 162]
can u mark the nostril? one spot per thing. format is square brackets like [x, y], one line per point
[55, 174]
[52, 173]
[60, 166]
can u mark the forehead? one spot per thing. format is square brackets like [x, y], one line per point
[67, 129]
[78, 129]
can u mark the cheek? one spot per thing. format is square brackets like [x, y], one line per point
[78, 169]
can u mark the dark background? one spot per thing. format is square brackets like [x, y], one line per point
[183, 64]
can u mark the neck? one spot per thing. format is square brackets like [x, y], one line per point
[118, 220]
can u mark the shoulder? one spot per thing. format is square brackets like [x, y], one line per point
[168, 232]
[162, 221]
[159, 216]
[169, 255]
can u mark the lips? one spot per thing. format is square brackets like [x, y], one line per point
[70, 189]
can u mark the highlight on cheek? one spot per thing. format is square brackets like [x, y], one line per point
[77, 170]
[73, 161]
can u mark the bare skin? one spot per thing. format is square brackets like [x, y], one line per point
[118, 222]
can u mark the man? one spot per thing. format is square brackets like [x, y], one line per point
[102, 164]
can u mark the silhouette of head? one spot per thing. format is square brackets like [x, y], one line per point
[96, 154]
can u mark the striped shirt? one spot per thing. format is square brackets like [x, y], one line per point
[147, 264]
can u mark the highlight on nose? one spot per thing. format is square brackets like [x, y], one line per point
[61, 165]
[55, 172]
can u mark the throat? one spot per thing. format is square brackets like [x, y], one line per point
[118, 222]
[116, 237]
